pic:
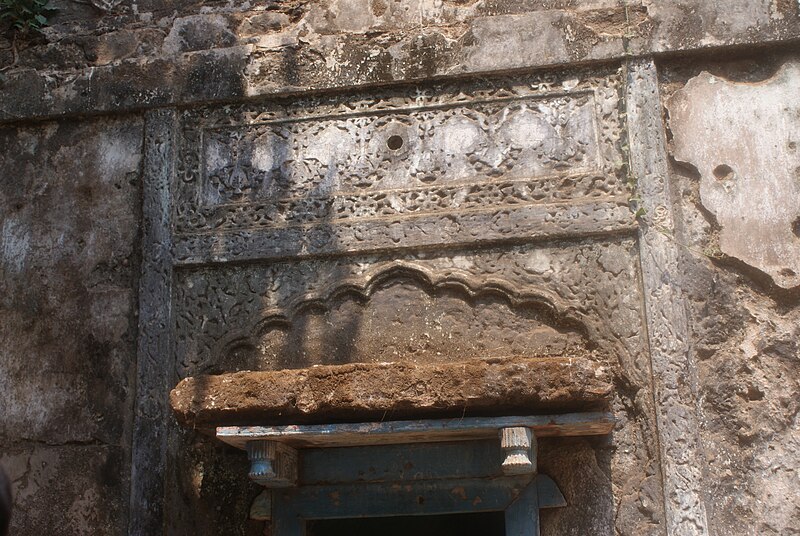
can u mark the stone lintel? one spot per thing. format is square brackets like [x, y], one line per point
[361, 392]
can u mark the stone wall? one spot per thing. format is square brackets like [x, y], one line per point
[109, 55]
[70, 204]
[148, 235]
[742, 290]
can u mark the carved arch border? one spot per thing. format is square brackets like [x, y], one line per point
[364, 286]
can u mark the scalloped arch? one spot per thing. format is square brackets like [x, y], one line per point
[362, 287]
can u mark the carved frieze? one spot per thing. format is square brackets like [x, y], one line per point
[470, 162]
[342, 205]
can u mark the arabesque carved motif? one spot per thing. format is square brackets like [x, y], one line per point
[463, 147]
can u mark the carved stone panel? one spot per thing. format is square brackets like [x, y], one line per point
[521, 300]
[424, 227]
[461, 163]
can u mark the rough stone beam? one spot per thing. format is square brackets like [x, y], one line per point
[384, 391]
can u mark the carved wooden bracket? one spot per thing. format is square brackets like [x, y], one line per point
[272, 464]
[519, 448]
[274, 460]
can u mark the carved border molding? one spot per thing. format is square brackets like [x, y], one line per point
[149, 449]
[674, 375]
[523, 224]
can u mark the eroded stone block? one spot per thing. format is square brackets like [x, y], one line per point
[743, 139]
[365, 391]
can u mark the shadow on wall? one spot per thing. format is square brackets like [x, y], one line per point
[401, 316]
[397, 314]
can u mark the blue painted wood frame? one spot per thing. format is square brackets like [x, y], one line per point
[420, 479]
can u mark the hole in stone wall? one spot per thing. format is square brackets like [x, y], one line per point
[723, 172]
[394, 142]
[796, 227]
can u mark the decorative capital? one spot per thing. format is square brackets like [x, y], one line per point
[519, 448]
[272, 464]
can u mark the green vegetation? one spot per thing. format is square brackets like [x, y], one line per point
[23, 16]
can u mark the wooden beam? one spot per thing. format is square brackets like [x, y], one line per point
[423, 431]
[430, 497]
[522, 515]
[401, 463]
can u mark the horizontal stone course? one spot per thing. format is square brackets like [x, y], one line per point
[193, 55]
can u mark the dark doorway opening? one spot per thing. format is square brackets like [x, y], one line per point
[479, 524]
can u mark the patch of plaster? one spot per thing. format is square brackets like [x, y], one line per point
[744, 140]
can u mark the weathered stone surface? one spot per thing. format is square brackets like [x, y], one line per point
[207, 494]
[744, 140]
[704, 24]
[69, 221]
[744, 330]
[524, 300]
[584, 467]
[426, 136]
[371, 235]
[674, 380]
[457, 164]
[148, 461]
[67, 489]
[365, 391]
[147, 54]
[303, 237]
